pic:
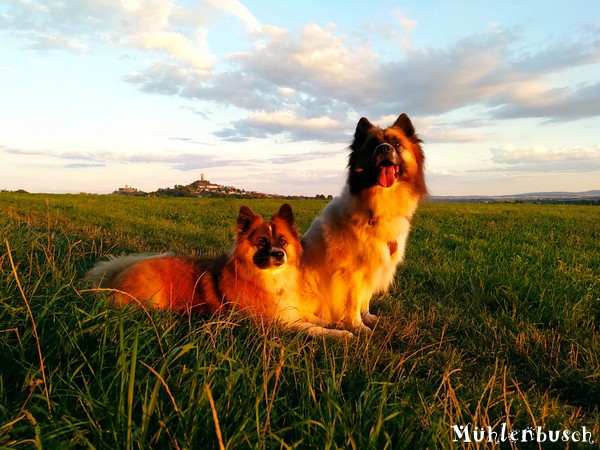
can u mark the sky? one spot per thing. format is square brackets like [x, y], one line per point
[265, 96]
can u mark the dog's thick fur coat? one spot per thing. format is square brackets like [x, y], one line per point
[352, 249]
[260, 276]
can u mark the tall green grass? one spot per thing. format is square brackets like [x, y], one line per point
[493, 319]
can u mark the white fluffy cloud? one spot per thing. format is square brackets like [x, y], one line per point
[318, 72]
[315, 81]
[287, 123]
[551, 103]
[174, 32]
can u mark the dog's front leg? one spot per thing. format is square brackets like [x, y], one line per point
[354, 318]
[370, 320]
[343, 300]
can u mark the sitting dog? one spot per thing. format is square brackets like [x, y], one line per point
[352, 249]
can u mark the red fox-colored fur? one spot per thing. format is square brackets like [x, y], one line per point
[259, 276]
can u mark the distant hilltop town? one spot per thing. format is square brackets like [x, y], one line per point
[203, 188]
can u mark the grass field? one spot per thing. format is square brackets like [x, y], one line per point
[493, 321]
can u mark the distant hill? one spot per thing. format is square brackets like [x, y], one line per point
[129, 191]
[587, 197]
[586, 194]
[205, 189]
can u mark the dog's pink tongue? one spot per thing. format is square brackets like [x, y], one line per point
[387, 176]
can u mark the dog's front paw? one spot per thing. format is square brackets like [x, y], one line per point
[332, 333]
[343, 334]
[352, 326]
[361, 328]
[370, 320]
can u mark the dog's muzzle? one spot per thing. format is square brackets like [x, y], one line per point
[383, 149]
[278, 256]
[388, 164]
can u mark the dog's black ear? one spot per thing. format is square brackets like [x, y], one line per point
[285, 213]
[404, 123]
[245, 219]
[363, 125]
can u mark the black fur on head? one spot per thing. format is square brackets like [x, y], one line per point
[376, 156]
[245, 220]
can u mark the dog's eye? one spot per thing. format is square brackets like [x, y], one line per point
[396, 144]
[263, 242]
[282, 242]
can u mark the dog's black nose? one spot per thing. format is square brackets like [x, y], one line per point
[383, 149]
[278, 254]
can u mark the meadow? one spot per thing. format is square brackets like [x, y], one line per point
[492, 322]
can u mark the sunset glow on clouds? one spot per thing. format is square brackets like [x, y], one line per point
[99, 94]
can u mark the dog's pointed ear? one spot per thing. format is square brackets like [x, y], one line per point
[285, 213]
[245, 219]
[363, 125]
[404, 123]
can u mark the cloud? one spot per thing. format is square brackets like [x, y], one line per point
[301, 157]
[163, 27]
[541, 158]
[199, 112]
[162, 78]
[562, 55]
[318, 67]
[397, 31]
[312, 72]
[193, 53]
[553, 104]
[287, 123]
[83, 165]
[264, 175]
[313, 82]
[236, 9]
[318, 72]
[184, 161]
[58, 43]
[188, 140]
[287, 182]
[179, 161]
[435, 131]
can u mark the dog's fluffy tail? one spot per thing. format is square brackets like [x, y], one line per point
[105, 273]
